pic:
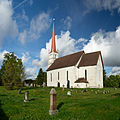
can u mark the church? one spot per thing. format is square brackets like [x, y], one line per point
[77, 70]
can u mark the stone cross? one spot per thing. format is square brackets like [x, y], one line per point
[26, 96]
[53, 106]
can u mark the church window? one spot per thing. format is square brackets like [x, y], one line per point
[58, 75]
[85, 74]
[51, 77]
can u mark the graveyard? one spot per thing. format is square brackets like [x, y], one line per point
[79, 104]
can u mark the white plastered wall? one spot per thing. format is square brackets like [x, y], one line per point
[99, 73]
[62, 76]
[94, 76]
[91, 75]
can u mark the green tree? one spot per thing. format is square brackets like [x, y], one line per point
[41, 77]
[113, 81]
[45, 77]
[104, 78]
[12, 71]
[0, 77]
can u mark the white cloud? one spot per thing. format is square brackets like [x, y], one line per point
[102, 5]
[24, 16]
[8, 26]
[115, 71]
[23, 36]
[30, 73]
[30, 70]
[2, 56]
[65, 45]
[80, 43]
[108, 43]
[25, 57]
[67, 22]
[38, 25]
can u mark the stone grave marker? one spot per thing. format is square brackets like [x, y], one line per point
[69, 93]
[19, 91]
[26, 96]
[53, 106]
[44, 84]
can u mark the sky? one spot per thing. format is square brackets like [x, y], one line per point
[89, 25]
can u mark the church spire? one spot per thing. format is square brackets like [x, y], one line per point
[53, 45]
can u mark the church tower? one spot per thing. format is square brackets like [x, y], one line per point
[53, 54]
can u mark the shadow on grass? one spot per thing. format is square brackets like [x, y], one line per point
[2, 114]
[32, 99]
[60, 105]
[116, 94]
[3, 95]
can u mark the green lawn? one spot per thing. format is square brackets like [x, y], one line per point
[78, 106]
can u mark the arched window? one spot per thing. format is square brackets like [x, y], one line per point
[85, 74]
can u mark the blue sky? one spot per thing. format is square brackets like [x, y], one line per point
[89, 25]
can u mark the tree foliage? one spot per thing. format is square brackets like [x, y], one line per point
[41, 77]
[112, 81]
[12, 71]
[104, 78]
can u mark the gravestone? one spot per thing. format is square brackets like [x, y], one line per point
[53, 106]
[69, 93]
[19, 91]
[44, 84]
[84, 90]
[26, 96]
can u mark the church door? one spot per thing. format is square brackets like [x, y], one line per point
[68, 84]
[58, 84]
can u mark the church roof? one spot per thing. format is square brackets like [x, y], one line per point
[90, 59]
[66, 61]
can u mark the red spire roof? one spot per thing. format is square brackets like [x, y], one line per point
[53, 45]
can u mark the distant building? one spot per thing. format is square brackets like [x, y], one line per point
[77, 70]
[29, 82]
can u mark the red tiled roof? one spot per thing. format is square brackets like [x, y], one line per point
[81, 80]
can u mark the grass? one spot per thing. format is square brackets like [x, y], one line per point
[78, 106]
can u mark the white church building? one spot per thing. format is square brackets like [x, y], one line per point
[77, 70]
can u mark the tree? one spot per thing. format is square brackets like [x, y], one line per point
[12, 71]
[45, 77]
[41, 77]
[112, 81]
[0, 78]
[104, 78]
